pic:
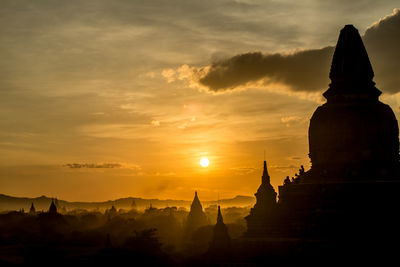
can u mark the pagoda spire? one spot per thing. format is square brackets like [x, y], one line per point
[265, 177]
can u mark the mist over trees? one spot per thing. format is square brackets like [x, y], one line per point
[153, 236]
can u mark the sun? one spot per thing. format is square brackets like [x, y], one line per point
[204, 162]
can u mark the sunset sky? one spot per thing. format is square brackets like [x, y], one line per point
[107, 99]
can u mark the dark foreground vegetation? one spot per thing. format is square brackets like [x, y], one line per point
[125, 237]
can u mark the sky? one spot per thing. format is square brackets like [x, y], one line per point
[102, 99]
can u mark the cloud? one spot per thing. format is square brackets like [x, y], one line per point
[111, 165]
[307, 70]
[184, 72]
[283, 168]
[93, 165]
[151, 74]
[289, 120]
[302, 71]
[155, 123]
[169, 74]
[244, 170]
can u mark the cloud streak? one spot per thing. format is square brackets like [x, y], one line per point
[93, 165]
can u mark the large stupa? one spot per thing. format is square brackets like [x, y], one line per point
[354, 180]
[351, 194]
[353, 136]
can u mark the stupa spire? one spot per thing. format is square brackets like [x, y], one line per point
[351, 71]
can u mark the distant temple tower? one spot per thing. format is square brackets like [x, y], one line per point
[112, 212]
[260, 215]
[133, 204]
[32, 210]
[221, 241]
[196, 217]
[53, 208]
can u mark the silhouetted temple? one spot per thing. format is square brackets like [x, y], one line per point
[348, 201]
[32, 210]
[112, 212]
[52, 208]
[133, 204]
[196, 217]
[261, 215]
[221, 241]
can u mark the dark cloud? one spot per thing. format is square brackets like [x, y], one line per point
[308, 70]
[303, 71]
[93, 165]
[382, 41]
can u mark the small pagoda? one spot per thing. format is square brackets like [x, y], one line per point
[32, 210]
[52, 208]
[196, 217]
[221, 241]
[261, 215]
